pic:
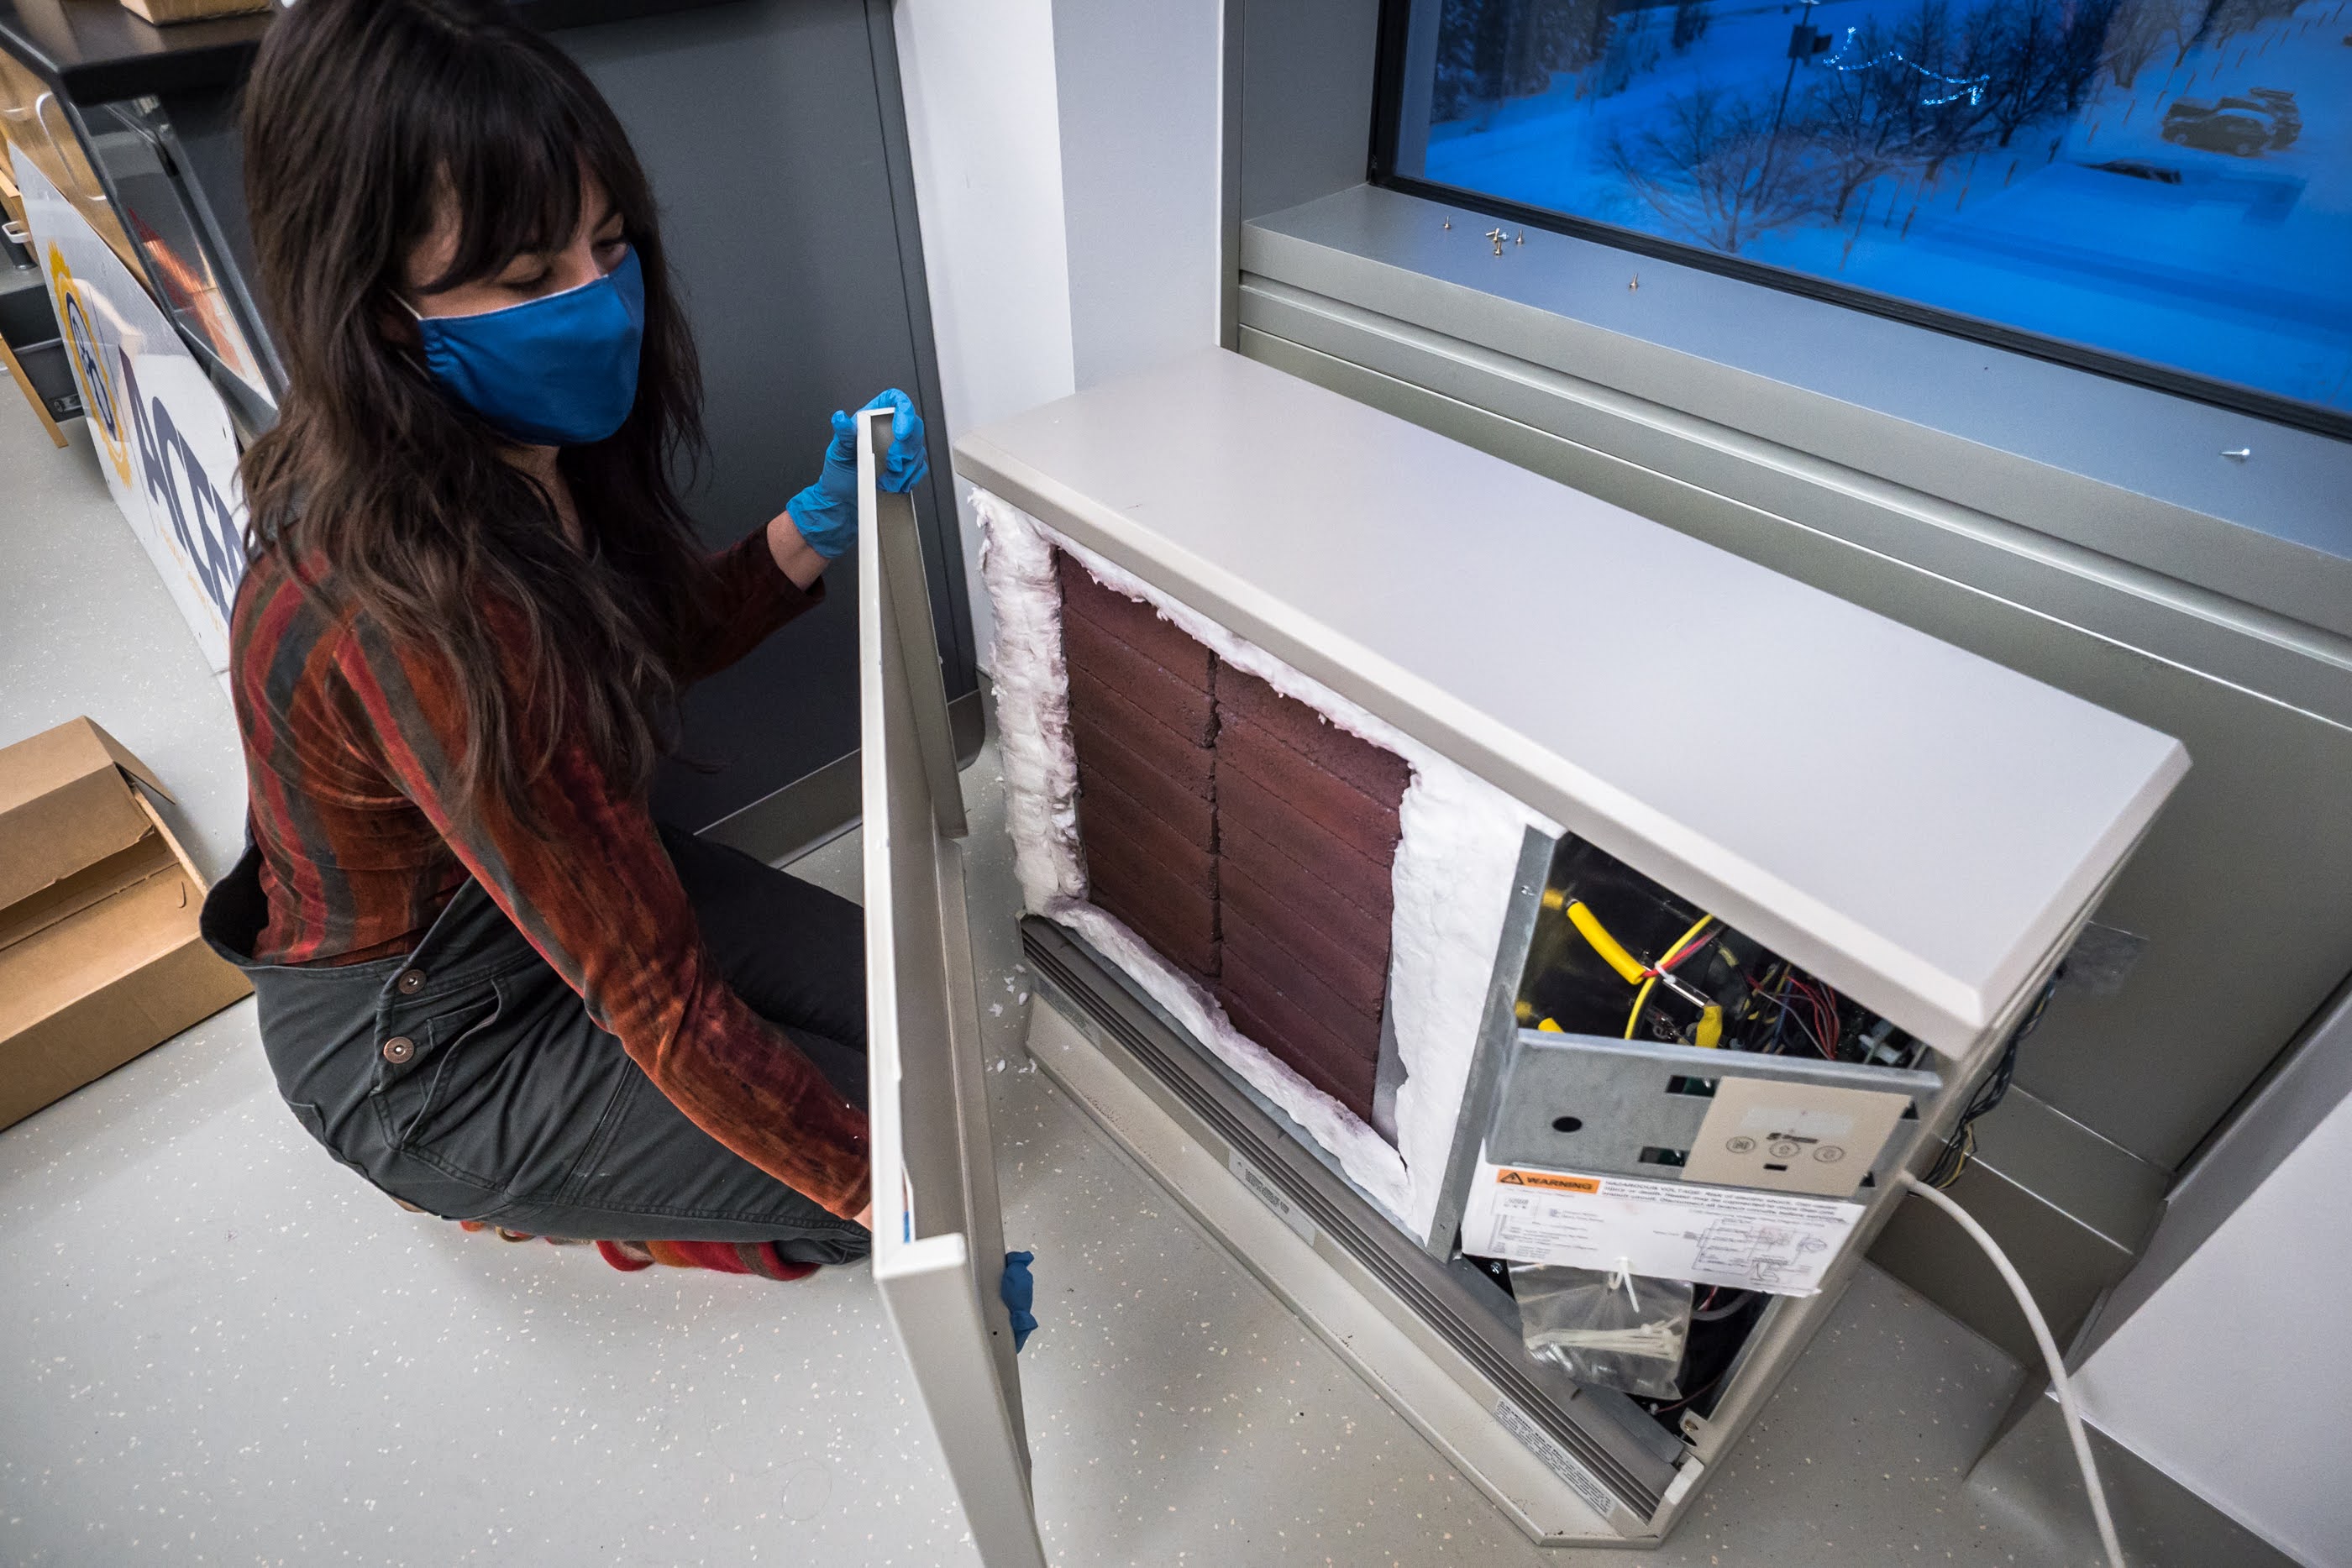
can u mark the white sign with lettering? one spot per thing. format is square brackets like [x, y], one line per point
[163, 433]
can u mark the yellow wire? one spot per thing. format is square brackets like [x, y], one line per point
[1639, 998]
[1673, 947]
[1612, 952]
[1682, 941]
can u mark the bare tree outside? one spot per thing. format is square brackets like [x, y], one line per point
[1851, 119]
[2138, 31]
[1709, 171]
[2028, 45]
[1945, 112]
[1489, 52]
[2216, 22]
[2154, 179]
[1691, 19]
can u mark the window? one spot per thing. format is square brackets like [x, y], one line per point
[2161, 189]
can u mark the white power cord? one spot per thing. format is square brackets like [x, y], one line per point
[2049, 1344]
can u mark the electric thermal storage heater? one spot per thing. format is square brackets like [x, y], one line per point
[1430, 866]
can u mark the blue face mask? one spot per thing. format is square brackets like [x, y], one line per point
[560, 370]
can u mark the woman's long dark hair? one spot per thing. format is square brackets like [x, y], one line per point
[364, 119]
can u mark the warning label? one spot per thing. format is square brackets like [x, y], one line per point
[1552, 1179]
[1735, 1236]
[1557, 1459]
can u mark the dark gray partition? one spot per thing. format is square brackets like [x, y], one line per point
[776, 142]
[775, 137]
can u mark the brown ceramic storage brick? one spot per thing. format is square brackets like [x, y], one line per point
[1100, 663]
[1351, 970]
[1104, 761]
[1349, 1018]
[1293, 1033]
[1367, 826]
[1351, 1086]
[1178, 918]
[1245, 838]
[1243, 808]
[1103, 805]
[1284, 884]
[1179, 921]
[1134, 622]
[1167, 925]
[1146, 816]
[1185, 766]
[1381, 775]
[1095, 705]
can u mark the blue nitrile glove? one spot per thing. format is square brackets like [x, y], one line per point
[827, 512]
[1019, 1291]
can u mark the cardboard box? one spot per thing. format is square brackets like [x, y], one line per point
[99, 958]
[162, 11]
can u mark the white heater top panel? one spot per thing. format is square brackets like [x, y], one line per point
[1918, 825]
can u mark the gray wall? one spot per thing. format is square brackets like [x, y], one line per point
[775, 140]
[1138, 90]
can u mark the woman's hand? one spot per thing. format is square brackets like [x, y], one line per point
[825, 513]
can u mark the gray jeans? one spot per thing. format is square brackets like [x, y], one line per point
[508, 1104]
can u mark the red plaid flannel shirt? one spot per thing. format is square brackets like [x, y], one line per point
[351, 744]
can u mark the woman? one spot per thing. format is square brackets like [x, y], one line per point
[487, 980]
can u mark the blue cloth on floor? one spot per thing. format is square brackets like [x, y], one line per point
[1019, 1291]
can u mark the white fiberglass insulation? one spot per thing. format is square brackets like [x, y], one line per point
[1452, 878]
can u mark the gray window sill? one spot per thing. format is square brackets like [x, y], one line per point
[2133, 476]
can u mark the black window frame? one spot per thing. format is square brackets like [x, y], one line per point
[1388, 102]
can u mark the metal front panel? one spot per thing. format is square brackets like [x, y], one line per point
[1582, 1103]
[939, 1239]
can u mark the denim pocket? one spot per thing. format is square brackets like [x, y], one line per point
[315, 1123]
[425, 1066]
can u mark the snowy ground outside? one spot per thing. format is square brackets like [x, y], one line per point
[2236, 267]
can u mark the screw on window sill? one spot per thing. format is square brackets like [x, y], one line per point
[1636, 283]
[2239, 453]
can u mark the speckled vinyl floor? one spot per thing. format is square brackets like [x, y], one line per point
[218, 1346]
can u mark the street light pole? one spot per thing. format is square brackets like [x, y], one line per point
[1800, 47]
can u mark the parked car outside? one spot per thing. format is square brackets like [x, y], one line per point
[2282, 109]
[2239, 132]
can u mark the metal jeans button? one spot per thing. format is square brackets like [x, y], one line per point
[398, 1049]
[411, 981]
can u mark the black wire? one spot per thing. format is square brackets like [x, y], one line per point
[1701, 1392]
[1989, 1093]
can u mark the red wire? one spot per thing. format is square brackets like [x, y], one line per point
[1820, 1020]
[1824, 1031]
[1825, 1003]
[1674, 958]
